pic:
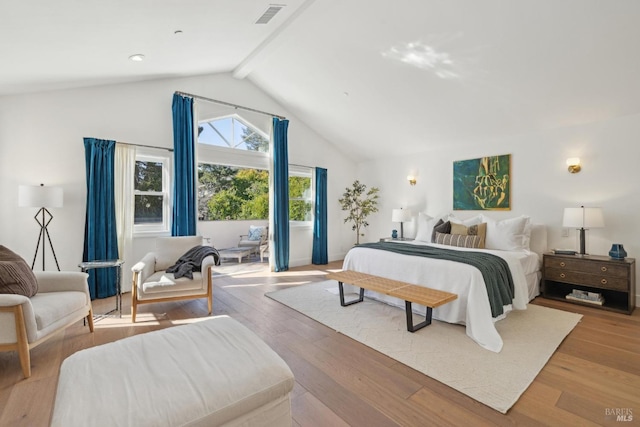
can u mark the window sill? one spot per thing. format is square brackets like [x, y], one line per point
[148, 234]
[301, 225]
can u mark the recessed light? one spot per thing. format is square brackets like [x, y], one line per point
[137, 57]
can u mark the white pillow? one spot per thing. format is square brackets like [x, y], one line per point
[425, 227]
[512, 234]
[475, 220]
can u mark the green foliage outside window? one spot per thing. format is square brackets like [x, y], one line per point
[148, 200]
[227, 193]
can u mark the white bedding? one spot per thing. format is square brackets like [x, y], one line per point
[471, 308]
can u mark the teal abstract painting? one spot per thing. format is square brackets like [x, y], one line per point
[482, 184]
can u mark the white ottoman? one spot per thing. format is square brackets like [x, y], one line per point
[212, 373]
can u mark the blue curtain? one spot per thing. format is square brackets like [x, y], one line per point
[319, 254]
[183, 217]
[280, 194]
[100, 237]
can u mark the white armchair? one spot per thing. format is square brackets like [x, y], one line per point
[62, 299]
[258, 236]
[152, 283]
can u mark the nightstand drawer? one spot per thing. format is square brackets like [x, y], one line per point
[587, 266]
[601, 281]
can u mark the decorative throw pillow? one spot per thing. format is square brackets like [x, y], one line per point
[460, 240]
[459, 229]
[511, 234]
[425, 227]
[440, 227]
[16, 277]
[255, 232]
[479, 230]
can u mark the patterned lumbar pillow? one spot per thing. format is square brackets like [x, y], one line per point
[460, 240]
[16, 276]
[472, 230]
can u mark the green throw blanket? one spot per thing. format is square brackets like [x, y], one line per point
[495, 270]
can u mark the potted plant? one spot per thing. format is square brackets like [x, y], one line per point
[359, 203]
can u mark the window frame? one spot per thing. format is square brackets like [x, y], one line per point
[162, 228]
[306, 172]
[234, 118]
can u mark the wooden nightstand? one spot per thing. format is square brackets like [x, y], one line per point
[614, 279]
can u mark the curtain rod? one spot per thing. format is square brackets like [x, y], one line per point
[145, 146]
[230, 104]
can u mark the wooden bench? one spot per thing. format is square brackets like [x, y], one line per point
[410, 293]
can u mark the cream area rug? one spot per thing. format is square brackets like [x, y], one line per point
[441, 350]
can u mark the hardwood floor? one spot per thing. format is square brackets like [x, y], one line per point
[341, 382]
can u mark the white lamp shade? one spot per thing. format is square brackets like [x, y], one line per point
[583, 218]
[39, 196]
[401, 215]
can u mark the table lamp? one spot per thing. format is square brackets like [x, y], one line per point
[583, 218]
[401, 216]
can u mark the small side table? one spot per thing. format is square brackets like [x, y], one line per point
[117, 263]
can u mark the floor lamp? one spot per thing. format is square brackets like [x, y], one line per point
[32, 196]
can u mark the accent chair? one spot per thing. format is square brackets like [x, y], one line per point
[257, 236]
[61, 300]
[152, 283]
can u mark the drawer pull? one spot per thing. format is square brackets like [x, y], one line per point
[562, 264]
[603, 268]
[562, 276]
[603, 281]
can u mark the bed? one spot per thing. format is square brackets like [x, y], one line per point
[472, 306]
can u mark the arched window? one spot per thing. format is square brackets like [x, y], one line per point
[233, 132]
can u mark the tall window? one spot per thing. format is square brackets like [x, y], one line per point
[151, 194]
[233, 177]
[300, 194]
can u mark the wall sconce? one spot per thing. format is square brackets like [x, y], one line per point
[573, 164]
[412, 177]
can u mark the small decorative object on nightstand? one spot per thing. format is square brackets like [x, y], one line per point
[394, 234]
[596, 281]
[617, 251]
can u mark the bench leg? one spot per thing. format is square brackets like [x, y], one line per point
[344, 304]
[410, 326]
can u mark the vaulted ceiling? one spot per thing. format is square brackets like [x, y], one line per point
[374, 77]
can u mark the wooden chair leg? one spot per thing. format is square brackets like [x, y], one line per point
[23, 342]
[134, 297]
[210, 290]
[90, 319]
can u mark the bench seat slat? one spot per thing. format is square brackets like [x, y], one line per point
[409, 292]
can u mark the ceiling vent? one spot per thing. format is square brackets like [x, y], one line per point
[268, 14]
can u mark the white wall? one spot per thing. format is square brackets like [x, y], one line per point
[541, 185]
[41, 142]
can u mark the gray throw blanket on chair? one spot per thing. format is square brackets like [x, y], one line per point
[192, 261]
